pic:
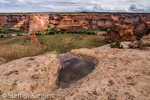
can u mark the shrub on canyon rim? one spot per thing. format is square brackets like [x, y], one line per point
[117, 45]
[51, 33]
[37, 34]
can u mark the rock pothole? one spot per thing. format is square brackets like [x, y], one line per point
[73, 68]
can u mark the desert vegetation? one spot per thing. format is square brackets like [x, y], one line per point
[18, 47]
[6, 33]
[86, 32]
[51, 40]
[117, 45]
[63, 43]
[104, 29]
[7, 30]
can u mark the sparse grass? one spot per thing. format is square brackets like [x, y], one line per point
[63, 43]
[17, 48]
[4, 38]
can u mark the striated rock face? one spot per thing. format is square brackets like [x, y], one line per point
[28, 23]
[2, 61]
[120, 74]
[70, 24]
[135, 19]
[143, 28]
[121, 32]
[2, 21]
[29, 75]
[85, 21]
[70, 21]
[35, 25]
[8, 21]
[25, 22]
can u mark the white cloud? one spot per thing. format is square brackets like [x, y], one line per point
[4, 1]
[76, 5]
[22, 1]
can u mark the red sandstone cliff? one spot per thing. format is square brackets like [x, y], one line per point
[35, 25]
[70, 21]
[8, 21]
[82, 21]
[143, 28]
[135, 19]
[121, 32]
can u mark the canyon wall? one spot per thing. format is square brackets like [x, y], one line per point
[135, 19]
[144, 28]
[9, 20]
[79, 21]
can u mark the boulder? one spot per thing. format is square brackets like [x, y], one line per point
[144, 42]
[135, 44]
[121, 32]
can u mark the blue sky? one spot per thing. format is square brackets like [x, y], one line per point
[135, 6]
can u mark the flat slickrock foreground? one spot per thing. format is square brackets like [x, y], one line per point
[121, 74]
[30, 75]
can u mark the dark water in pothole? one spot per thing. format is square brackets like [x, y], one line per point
[73, 68]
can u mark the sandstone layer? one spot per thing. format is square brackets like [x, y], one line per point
[70, 21]
[35, 25]
[121, 32]
[135, 19]
[143, 28]
[120, 74]
[30, 75]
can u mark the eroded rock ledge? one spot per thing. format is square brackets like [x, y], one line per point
[120, 74]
